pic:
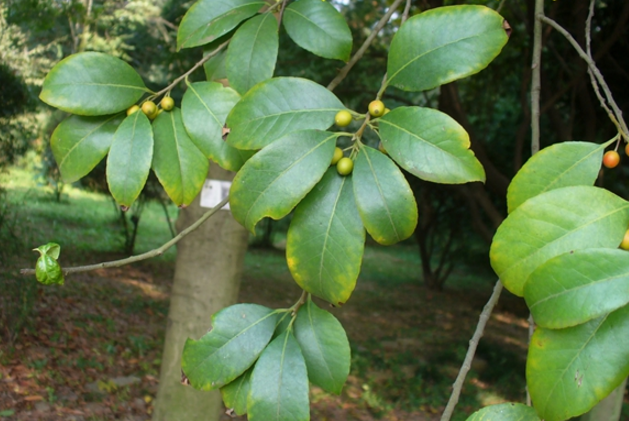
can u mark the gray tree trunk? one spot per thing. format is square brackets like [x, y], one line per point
[207, 278]
[609, 409]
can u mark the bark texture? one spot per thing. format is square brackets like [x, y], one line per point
[207, 278]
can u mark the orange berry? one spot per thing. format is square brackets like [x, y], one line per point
[611, 159]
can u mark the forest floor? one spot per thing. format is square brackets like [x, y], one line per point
[90, 350]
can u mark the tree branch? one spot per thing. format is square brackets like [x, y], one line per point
[536, 80]
[361, 51]
[467, 363]
[149, 254]
[616, 116]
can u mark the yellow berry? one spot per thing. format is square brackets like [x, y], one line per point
[132, 109]
[149, 108]
[376, 108]
[345, 166]
[625, 241]
[167, 103]
[343, 118]
[338, 154]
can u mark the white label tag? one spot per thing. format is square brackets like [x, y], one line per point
[213, 192]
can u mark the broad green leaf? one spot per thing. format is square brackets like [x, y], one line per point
[92, 84]
[505, 412]
[215, 67]
[570, 370]
[325, 347]
[275, 179]
[252, 52]
[279, 383]
[80, 143]
[235, 393]
[326, 240]
[553, 223]
[430, 145]
[129, 159]
[204, 108]
[280, 106]
[50, 249]
[48, 271]
[318, 27]
[178, 164]
[578, 286]
[238, 336]
[444, 44]
[208, 20]
[385, 200]
[559, 165]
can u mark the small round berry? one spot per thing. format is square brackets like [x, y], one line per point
[132, 109]
[343, 118]
[167, 103]
[345, 166]
[625, 241]
[611, 159]
[149, 108]
[627, 149]
[338, 154]
[376, 108]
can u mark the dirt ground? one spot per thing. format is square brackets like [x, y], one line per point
[92, 351]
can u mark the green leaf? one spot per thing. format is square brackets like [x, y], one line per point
[129, 160]
[252, 52]
[578, 286]
[326, 240]
[318, 27]
[559, 165]
[384, 198]
[50, 249]
[444, 44]
[280, 106]
[238, 336]
[215, 67]
[430, 145]
[505, 412]
[92, 84]
[48, 271]
[235, 393]
[279, 383]
[204, 108]
[553, 223]
[570, 370]
[275, 179]
[325, 347]
[80, 143]
[178, 164]
[208, 20]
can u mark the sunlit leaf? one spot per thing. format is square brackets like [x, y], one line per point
[279, 383]
[238, 336]
[80, 143]
[570, 370]
[129, 159]
[384, 198]
[275, 179]
[178, 164]
[444, 44]
[277, 107]
[430, 145]
[553, 223]
[252, 52]
[505, 412]
[92, 84]
[318, 27]
[326, 240]
[559, 165]
[325, 347]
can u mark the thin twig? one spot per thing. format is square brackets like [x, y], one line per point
[467, 363]
[407, 11]
[536, 78]
[149, 254]
[192, 69]
[500, 6]
[361, 51]
[616, 116]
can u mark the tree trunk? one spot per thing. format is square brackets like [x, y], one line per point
[207, 278]
[610, 408]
